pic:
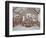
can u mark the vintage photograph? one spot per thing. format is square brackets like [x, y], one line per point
[26, 18]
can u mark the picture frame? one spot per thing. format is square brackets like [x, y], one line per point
[11, 5]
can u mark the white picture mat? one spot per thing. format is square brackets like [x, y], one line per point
[11, 32]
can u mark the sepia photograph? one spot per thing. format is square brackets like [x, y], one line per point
[26, 18]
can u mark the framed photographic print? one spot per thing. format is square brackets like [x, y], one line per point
[24, 18]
